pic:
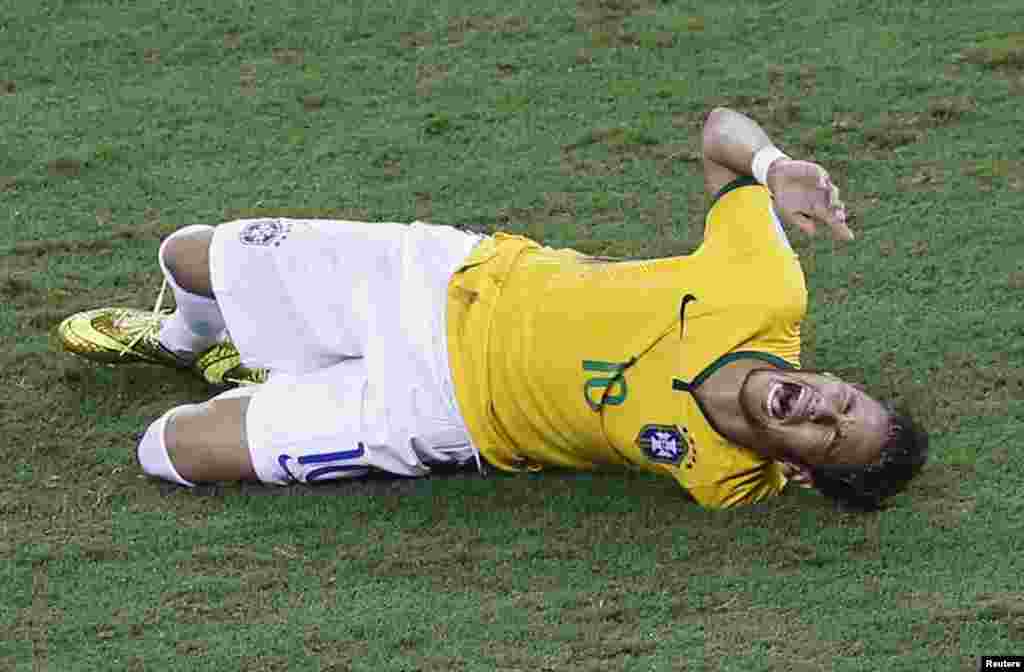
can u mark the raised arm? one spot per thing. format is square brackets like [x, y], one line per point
[734, 144]
[730, 142]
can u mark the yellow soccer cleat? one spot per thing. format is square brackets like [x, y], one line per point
[129, 336]
[118, 336]
[222, 365]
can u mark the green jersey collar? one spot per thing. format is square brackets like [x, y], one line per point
[683, 386]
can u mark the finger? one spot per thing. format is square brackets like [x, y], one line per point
[836, 215]
[835, 218]
[840, 230]
[833, 195]
[824, 181]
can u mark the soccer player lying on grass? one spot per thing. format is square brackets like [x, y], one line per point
[396, 347]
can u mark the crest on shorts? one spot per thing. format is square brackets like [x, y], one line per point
[664, 444]
[264, 232]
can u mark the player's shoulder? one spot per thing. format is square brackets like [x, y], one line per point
[742, 218]
[734, 187]
[741, 202]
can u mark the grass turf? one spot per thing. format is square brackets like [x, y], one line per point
[577, 123]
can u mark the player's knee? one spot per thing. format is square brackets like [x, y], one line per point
[185, 258]
[154, 449]
[184, 439]
[206, 442]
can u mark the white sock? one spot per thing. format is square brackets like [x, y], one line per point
[197, 323]
[152, 452]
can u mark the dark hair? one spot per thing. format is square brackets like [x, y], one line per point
[864, 487]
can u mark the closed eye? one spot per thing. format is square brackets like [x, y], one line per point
[837, 433]
[832, 447]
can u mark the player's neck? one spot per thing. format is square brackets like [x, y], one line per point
[720, 397]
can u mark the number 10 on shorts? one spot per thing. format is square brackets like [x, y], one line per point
[324, 466]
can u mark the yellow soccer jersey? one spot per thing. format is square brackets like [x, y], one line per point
[562, 360]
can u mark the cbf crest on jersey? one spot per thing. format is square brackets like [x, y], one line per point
[265, 232]
[664, 444]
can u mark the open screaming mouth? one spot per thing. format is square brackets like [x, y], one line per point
[784, 399]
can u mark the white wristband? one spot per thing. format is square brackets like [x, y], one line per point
[763, 159]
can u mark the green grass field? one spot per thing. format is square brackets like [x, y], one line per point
[577, 123]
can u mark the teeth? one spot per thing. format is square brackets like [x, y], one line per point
[795, 404]
[773, 397]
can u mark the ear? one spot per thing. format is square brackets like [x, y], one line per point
[797, 474]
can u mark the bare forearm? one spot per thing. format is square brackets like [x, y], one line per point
[731, 139]
[802, 191]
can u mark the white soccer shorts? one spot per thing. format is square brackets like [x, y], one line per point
[350, 318]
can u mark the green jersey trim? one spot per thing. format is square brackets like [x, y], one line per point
[731, 357]
[682, 386]
[744, 181]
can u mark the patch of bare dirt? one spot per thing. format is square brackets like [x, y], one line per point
[731, 621]
[561, 215]
[247, 79]
[960, 386]
[624, 145]
[1005, 608]
[994, 174]
[104, 216]
[424, 206]
[929, 176]
[1005, 52]
[776, 114]
[894, 130]
[390, 166]
[64, 167]
[313, 102]
[459, 26]
[604, 23]
[357, 214]
[40, 248]
[416, 40]
[609, 14]
[288, 55]
[428, 75]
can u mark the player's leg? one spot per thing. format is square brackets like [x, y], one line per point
[198, 322]
[319, 426]
[295, 296]
[192, 336]
[198, 443]
[332, 422]
[185, 259]
[207, 442]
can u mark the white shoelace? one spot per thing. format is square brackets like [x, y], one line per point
[150, 323]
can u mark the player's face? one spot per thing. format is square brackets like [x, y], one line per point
[814, 418]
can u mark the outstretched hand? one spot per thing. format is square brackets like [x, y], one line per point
[805, 197]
